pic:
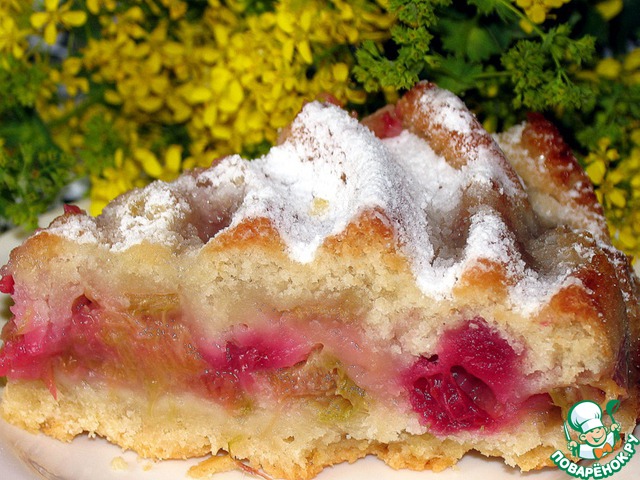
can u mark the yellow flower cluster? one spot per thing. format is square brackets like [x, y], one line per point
[538, 10]
[605, 176]
[618, 188]
[13, 34]
[229, 80]
[609, 8]
[55, 14]
[184, 83]
[626, 70]
[614, 169]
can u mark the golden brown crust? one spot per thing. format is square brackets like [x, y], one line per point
[563, 172]
[559, 190]
[455, 146]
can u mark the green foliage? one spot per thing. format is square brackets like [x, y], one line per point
[101, 142]
[616, 113]
[468, 47]
[412, 40]
[30, 180]
[540, 71]
[468, 39]
[488, 7]
[256, 150]
[32, 169]
[19, 84]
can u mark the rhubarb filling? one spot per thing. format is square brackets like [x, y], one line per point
[471, 381]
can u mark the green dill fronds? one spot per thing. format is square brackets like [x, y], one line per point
[20, 83]
[30, 181]
[541, 71]
[412, 39]
[462, 47]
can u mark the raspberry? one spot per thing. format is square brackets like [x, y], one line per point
[469, 383]
[6, 284]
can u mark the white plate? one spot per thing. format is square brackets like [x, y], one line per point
[25, 456]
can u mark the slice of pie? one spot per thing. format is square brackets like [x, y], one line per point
[408, 287]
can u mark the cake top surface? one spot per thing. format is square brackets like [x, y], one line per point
[328, 171]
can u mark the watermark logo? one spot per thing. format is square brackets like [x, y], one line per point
[594, 441]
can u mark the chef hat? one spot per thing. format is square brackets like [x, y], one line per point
[585, 415]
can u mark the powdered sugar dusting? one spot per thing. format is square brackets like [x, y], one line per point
[329, 171]
[333, 159]
[81, 228]
[155, 214]
[450, 111]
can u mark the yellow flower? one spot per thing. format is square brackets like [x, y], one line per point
[55, 15]
[526, 25]
[122, 177]
[11, 37]
[167, 170]
[95, 6]
[68, 77]
[596, 170]
[177, 8]
[631, 67]
[625, 69]
[616, 176]
[632, 60]
[609, 68]
[609, 9]
[537, 11]
[606, 178]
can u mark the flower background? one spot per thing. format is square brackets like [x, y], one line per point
[121, 93]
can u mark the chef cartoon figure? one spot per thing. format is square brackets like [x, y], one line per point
[596, 440]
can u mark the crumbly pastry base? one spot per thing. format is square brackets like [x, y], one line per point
[282, 443]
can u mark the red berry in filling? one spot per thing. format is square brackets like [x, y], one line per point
[469, 384]
[385, 123]
[252, 351]
[29, 355]
[72, 209]
[6, 284]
